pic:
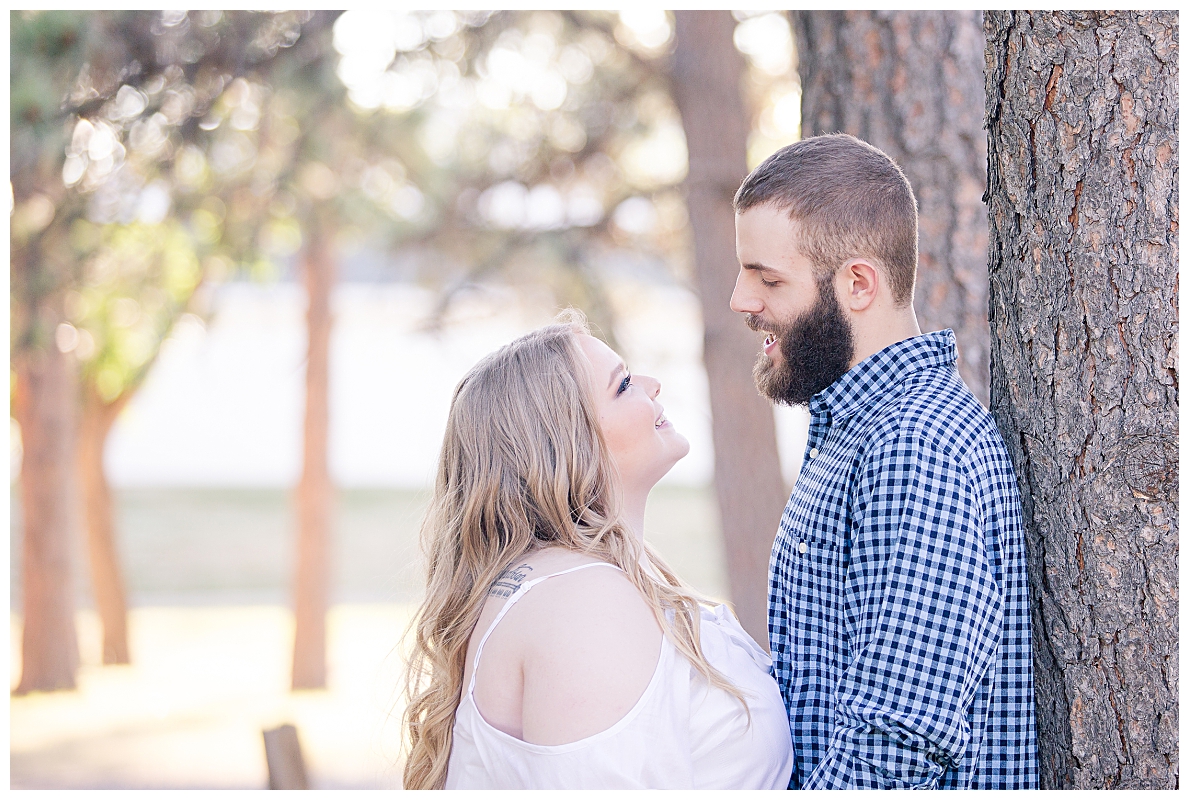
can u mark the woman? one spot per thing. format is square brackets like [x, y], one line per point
[555, 649]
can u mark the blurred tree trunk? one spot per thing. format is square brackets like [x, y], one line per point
[911, 83]
[1081, 112]
[314, 492]
[106, 580]
[45, 409]
[707, 72]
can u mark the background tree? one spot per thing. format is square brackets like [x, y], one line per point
[315, 490]
[911, 83]
[317, 100]
[1081, 110]
[344, 177]
[117, 209]
[47, 51]
[707, 75]
[137, 281]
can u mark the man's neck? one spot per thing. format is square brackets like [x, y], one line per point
[874, 334]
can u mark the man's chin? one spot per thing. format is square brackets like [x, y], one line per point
[766, 374]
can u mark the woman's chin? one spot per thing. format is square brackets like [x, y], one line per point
[679, 450]
[676, 448]
[682, 449]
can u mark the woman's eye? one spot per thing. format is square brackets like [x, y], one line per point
[624, 384]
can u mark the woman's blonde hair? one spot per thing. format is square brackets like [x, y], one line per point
[523, 466]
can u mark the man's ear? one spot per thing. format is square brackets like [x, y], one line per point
[860, 284]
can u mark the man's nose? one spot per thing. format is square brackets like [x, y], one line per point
[742, 300]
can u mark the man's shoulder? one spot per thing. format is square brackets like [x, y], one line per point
[935, 412]
[933, 434]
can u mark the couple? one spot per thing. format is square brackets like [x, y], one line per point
[555, 648]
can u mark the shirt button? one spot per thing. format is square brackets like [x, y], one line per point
[813, 452]
[802, 548]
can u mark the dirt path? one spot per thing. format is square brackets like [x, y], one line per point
[205, 682]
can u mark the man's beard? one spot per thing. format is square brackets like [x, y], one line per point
[815, 350]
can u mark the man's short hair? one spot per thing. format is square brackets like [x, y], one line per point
[849, 199]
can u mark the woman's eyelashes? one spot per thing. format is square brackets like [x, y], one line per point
[624, 384]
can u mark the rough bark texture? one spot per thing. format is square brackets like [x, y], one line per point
[314, 492]
[45, 409]
[107, 583]
[911, 83]
[1081, 111]
[707, 71]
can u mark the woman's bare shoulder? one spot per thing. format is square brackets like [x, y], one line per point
[589, 594]
[591, 644]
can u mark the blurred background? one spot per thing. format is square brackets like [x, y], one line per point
[252, 253]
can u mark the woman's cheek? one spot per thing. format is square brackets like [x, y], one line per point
[617, 442]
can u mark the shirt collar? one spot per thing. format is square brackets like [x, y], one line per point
[875, 375]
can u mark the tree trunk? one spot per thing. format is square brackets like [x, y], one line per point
[106, 580]
[45, 409]
[1081, 112]
[707, 72]
[314, 492]
[911, 83]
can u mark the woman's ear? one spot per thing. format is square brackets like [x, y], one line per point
[860, 284]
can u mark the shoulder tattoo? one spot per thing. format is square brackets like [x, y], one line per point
[509, 581]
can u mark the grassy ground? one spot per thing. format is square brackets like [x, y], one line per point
[210, 634]
[222, 546]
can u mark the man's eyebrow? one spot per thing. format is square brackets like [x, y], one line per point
[621, 368]
[758, 267]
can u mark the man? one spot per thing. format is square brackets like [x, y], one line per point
[898, 605]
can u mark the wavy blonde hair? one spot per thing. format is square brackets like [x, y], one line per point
[523, 466]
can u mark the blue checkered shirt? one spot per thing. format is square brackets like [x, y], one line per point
[898, 596]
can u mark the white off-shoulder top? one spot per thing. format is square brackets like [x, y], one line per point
[681, 734]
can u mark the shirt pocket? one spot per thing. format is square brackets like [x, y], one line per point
[814, 560]
[816, 519]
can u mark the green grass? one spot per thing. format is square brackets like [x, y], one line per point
[231, 546]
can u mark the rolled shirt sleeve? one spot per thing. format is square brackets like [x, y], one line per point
[923, 616]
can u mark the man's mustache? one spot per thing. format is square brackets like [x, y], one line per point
[758, 323]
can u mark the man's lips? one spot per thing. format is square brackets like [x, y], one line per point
[771, 340]
[770, 343]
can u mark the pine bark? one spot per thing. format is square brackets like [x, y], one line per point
[45, 409]
[107, 582]
[1081, 112]
[314, 492]
[707, 73]
[911, 83]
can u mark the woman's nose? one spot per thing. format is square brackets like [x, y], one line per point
[654, 386]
